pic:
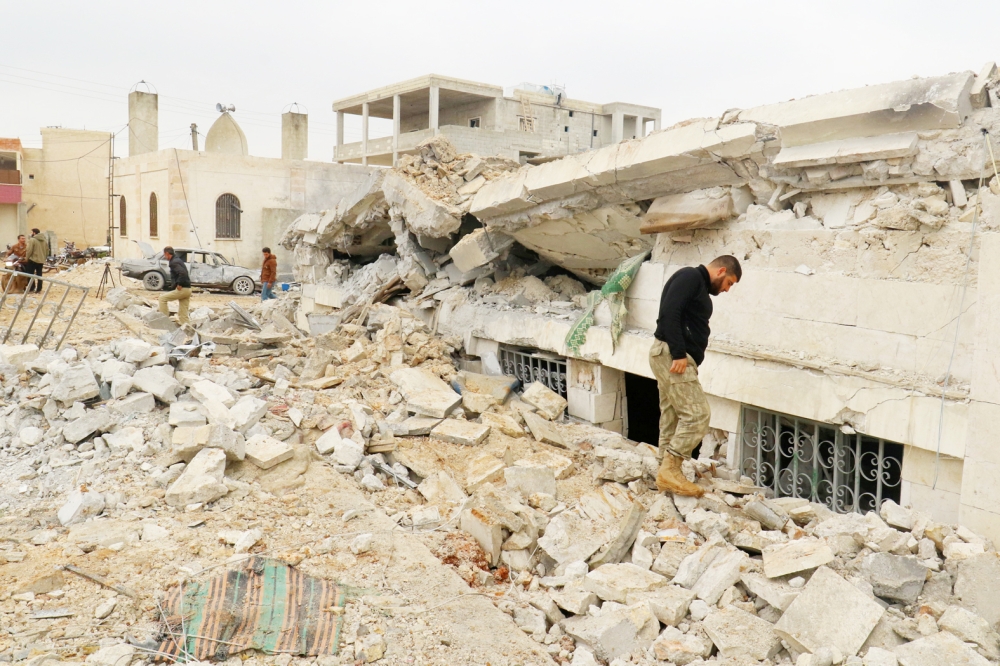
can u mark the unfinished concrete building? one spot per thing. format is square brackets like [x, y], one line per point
[531, 122]
[855, 361]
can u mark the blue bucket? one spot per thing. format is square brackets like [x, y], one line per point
[284, 286]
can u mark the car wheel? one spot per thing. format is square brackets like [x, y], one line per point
[153, 281]
[243, 286]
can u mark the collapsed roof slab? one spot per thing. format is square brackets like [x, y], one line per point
[940, 102]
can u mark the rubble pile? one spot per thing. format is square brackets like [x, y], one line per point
[120, 450]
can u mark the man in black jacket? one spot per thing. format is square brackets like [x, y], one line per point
[681, 338]
[182, 287]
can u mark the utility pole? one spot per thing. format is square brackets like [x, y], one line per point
[194, 137]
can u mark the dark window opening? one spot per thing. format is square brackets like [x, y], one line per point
[122, 223]
[227, 216]
[565, 128]
[475, 122]
[153, 217]
[570, 114]
[595, 132]
[819, 462]
[642, 411]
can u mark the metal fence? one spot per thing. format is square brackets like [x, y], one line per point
[534, 366]
[40, 318]
[818, 462]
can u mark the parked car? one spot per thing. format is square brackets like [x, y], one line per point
[206, 268]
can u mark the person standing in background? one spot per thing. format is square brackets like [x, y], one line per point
[36, 253]
[268, 274]
[182, 287]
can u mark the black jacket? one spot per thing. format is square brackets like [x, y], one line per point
[179, 273]
[685, 308]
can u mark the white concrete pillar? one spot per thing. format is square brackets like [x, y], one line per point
[364, 134]
[395, 129]
[617, 126]
[656, 124]
[340, 136]
[143, 123]
[639, 120]
[432, 111]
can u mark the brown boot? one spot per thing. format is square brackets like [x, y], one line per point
[671, 479]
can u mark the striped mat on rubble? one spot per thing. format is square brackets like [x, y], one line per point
[263, 604]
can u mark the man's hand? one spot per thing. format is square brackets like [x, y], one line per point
[179, 287]
[679, 366]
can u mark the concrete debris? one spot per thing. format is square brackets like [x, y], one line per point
[737, 633]
[941, 648]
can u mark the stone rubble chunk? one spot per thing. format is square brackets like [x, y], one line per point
[530, 620]
[937, 650]
[158, 382]
[679, 648]
[529, 480]
[18, 356]
[770, 516]
[137, 403]
[348, 453]
[113, 655]
[370, 648]
[796, 556]
[426, 394]
[895, 577]
[456, 431]
[134, 350]
[95, 420]
[616, 631]
[738, 634]
[549, 404]
[543, 430]
[186, 414]
[79, 506]
[876, 656]
[896, 516]
[76, 385]
[972, 629]
[31, 435]
[723, 572]
[201, 481]
[205, 390]
[613, 582]
[773, 591]
[669, 603]
[694, 565]
[247, 411]
[576, 600]
[265, 451]
[105, 608]
[486, 519]
[829, 611]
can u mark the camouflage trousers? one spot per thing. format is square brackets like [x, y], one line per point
[684, 410]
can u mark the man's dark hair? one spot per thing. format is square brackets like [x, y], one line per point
[730, 263]
[267, 249]
[35, 232]
[168, 250]
[20, 236]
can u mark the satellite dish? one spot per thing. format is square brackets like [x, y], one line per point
[218, 107]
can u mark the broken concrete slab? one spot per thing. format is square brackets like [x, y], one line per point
[675, 647]
[76, 385]
[549, 404]
[478, 248]
[486, 521]
[158, 382]
[690, 210]
[624, 535]
[265, 451]
[186, 414]
[775, 592]
[669, 603]
[613, 582]
[80, 505]
[739, 634]
[95, 420]
[426, 394]
[137, 403]
[977, 586]
[829, 612]
[441, 488]
[18, 356]
[505, 424]
[529, 480]
[201, 481]
[691, 567]
[462, 432]
[328, 441]
[204, 390]
[616, 631]
[941, 648]
[972, 629]
[722, 573]
[247, 411]
[895, 577]
[770, 516]
[543, 430]
[576, 600]
[795, 556]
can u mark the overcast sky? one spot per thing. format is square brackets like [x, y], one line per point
[73, 63]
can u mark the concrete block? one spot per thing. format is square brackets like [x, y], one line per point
[485, 529]
[415, 426]
[329, 296]
[613, 582]
[137, 403]
[529, 480]
[201, 480]
[79, 506]
[777, 593]
[795, 556]
[218, 413]
[675, 647]
[18, 355]
[593, 407]
[328, 441]
[247, 411]
[441, 488]
[266, 452]
[595, 377]
[478, 248]
[483, 469]
[829, 612]
[425, 392]
[502, 422]
[543, 430]
[724, 571]
[895, 577]
[76, 385]
[96, 420]
[692, 566]
[669, 603]
[940, 648]
[972, 629]
[690, 210]
[617, 631]
[738, 634]
[977, 586]
[549, 404]
[204, 390]
[457, 431]
[576, 600]
[158, 382]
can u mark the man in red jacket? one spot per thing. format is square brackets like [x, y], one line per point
[268, 274]
[679, 349]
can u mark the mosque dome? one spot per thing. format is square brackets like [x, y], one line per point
[226, 137]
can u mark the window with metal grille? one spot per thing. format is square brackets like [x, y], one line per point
[819, 462]
[534, 366]
[227, 216]
[122, 223]
[153, 216]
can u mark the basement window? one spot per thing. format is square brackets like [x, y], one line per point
[818, 462]
[595, 132]
[475, 122]
[531, 365]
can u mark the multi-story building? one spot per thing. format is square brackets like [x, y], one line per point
[531, 122]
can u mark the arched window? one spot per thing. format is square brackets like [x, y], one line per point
[153, 214]
[227, 216]
[122, 221]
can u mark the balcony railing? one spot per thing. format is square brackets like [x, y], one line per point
[10, 177]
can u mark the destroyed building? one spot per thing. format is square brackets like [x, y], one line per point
[429, 437]
[528, 122]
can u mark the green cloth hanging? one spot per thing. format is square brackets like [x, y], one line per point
[614, 292]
